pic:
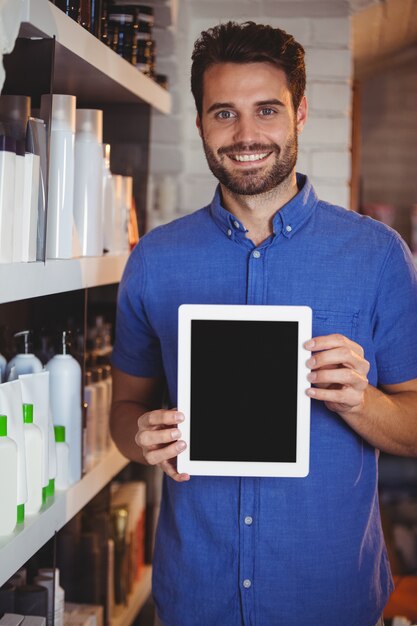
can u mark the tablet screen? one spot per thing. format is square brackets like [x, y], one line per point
[244, 390]
[242, 378]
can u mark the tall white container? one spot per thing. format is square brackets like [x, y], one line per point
[34, 461]
[7, 190]
[65, 400]
[109, 202]
[90, 398]
[60, 217]
[123, 186]
[88, 181]
[8, 480]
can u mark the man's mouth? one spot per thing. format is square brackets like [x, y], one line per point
[246, 158]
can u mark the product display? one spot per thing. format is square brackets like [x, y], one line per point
[8, 490]
[60, 220]
[123, 193]
[88, 181]
[65, 401]
[34, 461]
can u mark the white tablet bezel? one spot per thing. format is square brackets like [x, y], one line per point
[300, 314]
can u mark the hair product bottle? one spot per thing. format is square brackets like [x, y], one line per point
[34, 453]
[65, 400]
[8, 483]
[7, 189]
[88, 181]
[108, 202]
[25, 362]
[61, 109]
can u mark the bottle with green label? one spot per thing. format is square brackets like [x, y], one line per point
[8, 480]
[34, 456]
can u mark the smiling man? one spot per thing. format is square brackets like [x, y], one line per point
[270, 551]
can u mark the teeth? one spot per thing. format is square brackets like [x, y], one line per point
[249, 157]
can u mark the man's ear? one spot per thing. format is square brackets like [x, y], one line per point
[199, 125]
[302, 114]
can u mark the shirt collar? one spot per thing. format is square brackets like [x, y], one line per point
[288, 220]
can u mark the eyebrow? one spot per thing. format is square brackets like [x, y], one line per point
[229, 105]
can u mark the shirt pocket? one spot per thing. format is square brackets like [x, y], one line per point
[326, 322]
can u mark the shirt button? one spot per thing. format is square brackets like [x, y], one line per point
[247, 583]
[229, 232]
[256, 254]
[236, 224]
[248, 520]
[288, 228]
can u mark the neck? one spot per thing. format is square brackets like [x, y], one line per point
[257, 212]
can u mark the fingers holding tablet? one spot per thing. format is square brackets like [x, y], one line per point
[159, 438]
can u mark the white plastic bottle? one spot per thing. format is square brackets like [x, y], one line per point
[88, 181]
[34, 459]
[62, 459]
[60, 215]
[65, 401]
[25, 362]
[109, 202]
[102, 419]
[90, 398]
[7, 185]
[8, 481]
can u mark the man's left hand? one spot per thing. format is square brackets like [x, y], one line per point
[339, 373]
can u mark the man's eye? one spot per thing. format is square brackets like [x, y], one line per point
[266, 111]
[225, 115]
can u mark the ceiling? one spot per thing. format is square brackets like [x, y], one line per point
[384, 33]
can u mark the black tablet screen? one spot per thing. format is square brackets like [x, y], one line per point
[243, 391]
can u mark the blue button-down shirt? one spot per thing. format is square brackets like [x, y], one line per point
[275, 551]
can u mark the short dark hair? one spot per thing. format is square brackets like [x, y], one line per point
[248, 43]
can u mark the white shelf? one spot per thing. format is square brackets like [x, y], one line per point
[84, 66]
[125, 615]
[37, 530]
[20, 281]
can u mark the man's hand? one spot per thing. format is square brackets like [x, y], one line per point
[158, 437]
[339, 374]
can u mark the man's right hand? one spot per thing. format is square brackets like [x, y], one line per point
[158, 437]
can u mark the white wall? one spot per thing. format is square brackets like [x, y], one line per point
[323, 28]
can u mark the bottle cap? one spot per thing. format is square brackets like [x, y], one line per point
[3, 425]
[28, 413]
[24, 341]
[59, 434]
[50, 488]
[14, 113]
[20, 513]
[90, 121]
[62, 111]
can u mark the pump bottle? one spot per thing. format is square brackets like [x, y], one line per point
[25, 362]
[8, 480]
[65, 401]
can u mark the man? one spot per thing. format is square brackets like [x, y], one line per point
[270, 552]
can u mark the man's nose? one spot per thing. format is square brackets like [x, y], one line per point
[245, 130]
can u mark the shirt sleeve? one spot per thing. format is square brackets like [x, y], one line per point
[395, 318]
[137, 349]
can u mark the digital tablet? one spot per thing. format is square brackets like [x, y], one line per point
[242, 378]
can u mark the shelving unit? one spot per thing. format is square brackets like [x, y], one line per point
[84, 65]
[79, 64]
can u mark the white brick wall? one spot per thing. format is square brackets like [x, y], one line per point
[323, 28]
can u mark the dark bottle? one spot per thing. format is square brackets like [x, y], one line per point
[71, 8]
[85, 14]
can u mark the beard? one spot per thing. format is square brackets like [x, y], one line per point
[253, 181]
